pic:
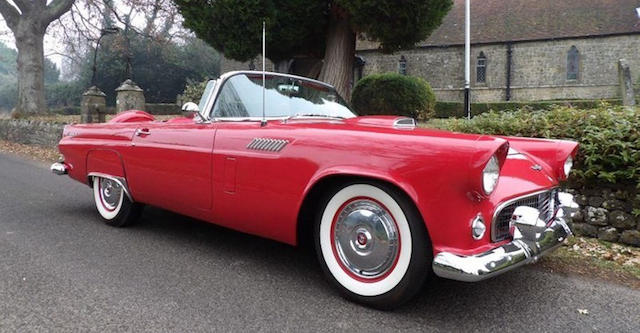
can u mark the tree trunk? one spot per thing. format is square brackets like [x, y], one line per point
[283, 66]
[337, 69]
[30, 44]
[28, 20]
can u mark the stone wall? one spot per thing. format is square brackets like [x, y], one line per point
[539, 69]
[48, 134]
[31, 132]
[228, 65]
[163, 108]
[608, 215]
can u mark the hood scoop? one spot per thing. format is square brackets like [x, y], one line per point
[384, 121]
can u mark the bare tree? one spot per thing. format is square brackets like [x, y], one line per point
[156, 20]
[28, 20]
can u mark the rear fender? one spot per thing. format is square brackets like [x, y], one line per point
[132, 116]
[106, 162]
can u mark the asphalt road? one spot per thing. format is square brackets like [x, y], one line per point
[61, 269]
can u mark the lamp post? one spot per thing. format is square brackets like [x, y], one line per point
[103, 32]
[467, 58]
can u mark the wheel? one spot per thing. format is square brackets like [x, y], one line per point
[114, 207]
[372, 244]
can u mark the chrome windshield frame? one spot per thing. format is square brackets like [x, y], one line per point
[208, 107]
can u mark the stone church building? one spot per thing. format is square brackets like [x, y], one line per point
[523, 50]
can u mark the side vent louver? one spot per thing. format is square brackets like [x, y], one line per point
[265, 144]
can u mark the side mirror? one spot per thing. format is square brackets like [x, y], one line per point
[190, 109]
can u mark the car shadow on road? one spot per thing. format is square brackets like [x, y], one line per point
[441, 300]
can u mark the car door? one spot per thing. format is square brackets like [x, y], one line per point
[254, 178]
[170, 166]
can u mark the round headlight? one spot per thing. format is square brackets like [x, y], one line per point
[490, 175]
[568, 164]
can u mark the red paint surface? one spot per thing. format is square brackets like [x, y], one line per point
[180, 166]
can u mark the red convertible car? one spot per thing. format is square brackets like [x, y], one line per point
[385, 203]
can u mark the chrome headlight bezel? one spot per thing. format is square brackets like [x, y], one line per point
[490, 175]
[567, 166]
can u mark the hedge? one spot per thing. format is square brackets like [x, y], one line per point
[456, 109]
[609, 137]
[394, 94]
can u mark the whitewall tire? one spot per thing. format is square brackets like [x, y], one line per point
[372, 244]
[113, 204]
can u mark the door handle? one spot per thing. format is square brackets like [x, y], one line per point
[142, 132]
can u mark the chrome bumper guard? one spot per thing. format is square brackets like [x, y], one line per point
[59, 168]
[532, 238]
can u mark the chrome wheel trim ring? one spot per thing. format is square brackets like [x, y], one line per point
[365, 239]
[103, 209]
[359, 286]
[110, 193]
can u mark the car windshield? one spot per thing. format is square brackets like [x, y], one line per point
[205, 96]
[241, 97]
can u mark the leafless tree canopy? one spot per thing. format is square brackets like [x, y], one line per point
[81, 27]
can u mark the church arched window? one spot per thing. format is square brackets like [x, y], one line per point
[573, 63]
[402, 65]
[481, 68]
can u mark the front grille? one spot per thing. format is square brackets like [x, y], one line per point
[546, 202]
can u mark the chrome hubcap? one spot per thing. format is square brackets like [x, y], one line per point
[366, 238]
[110, 193]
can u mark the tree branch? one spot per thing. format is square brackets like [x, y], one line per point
[9, 13]
[22, 5]
[56, 8]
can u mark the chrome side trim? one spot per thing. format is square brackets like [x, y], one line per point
[266, 144]
[120, 180]
[533, 238]
[59, 168]
[405, 123]
[507, 203]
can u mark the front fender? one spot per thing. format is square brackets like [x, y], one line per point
[352, 171]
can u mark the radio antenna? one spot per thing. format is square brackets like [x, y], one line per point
[264, 58]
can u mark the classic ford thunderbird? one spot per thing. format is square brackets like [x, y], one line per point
[385, 203]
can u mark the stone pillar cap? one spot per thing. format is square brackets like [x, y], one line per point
[94, 91]
[128, 85]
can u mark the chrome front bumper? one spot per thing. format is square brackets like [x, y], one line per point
[59, 168]
[532, 238]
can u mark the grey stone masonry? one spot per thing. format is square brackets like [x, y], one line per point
[93, 106]
[538, 68]
[626, 83]
[129, 97]
[608, 214]
[31, 132]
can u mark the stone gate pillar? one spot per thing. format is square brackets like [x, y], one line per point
[93, 106]
[626, 83]
[129, 97]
